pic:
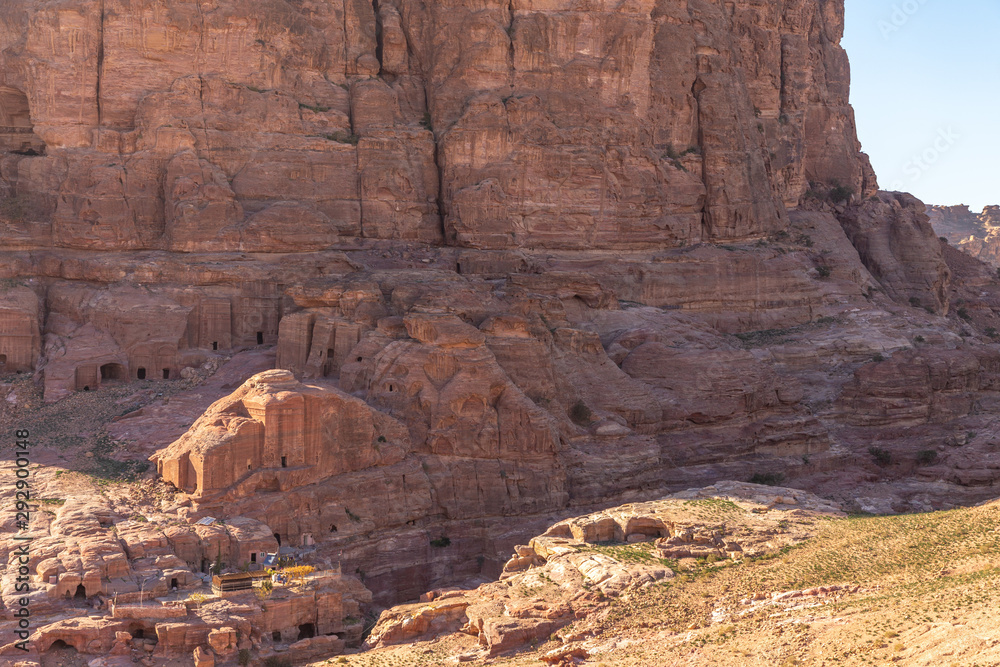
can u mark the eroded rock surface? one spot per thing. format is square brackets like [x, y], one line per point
[579, 565]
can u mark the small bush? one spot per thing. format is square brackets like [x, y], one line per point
[244, 657]
[352, 516]
[581, 414]
[275, 661]
[878, 358]
[926, 457]
[344, 138]
[317, 109]
[915, 302]
[882, 457]
[767, 478]
[991, 332]
[824, 271]
[441, 542]
[426, 120]
[918, 339]
[964, 314]
[841, 193]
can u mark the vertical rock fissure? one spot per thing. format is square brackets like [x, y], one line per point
[510, 35]
[100, 64]
[439, 168]
[706, 222]
[378, 35]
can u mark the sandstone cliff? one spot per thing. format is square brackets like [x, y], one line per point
[500, 263]
[278, 127]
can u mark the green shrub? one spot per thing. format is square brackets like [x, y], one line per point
[918, 339]
[824, 271]
[344, 138]
[244, 657]
[926, 457]
[964, 314]
[840, 193]
[882, 457]
[581, 414]
[441, 542]
[878, 358]
[767, 478]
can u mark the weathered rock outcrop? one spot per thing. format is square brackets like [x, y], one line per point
[581, 564]
[896, 242]
[21, 317]
[277, 434]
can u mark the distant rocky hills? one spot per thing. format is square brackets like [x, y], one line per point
[976, 234]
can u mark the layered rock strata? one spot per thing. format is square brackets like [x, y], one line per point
[250, 127]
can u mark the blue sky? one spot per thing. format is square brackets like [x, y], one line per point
[925, 88]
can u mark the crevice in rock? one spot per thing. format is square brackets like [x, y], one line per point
[696, 89]
[440, 171]
[440, 192]
[100, 64]
[378, 35]
[510, 35]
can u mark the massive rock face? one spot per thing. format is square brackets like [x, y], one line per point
[511, 259]
[271, 127]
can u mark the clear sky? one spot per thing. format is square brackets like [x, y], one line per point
[925, 86]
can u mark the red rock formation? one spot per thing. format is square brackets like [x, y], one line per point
[286, 130]
[277, 434]
[20, 337]
[487, 244]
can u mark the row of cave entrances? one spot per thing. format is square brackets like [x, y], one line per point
[138, 630]
[111, 372]
[116, 373]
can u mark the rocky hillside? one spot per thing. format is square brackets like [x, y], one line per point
[727, 575]
[393, 287]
